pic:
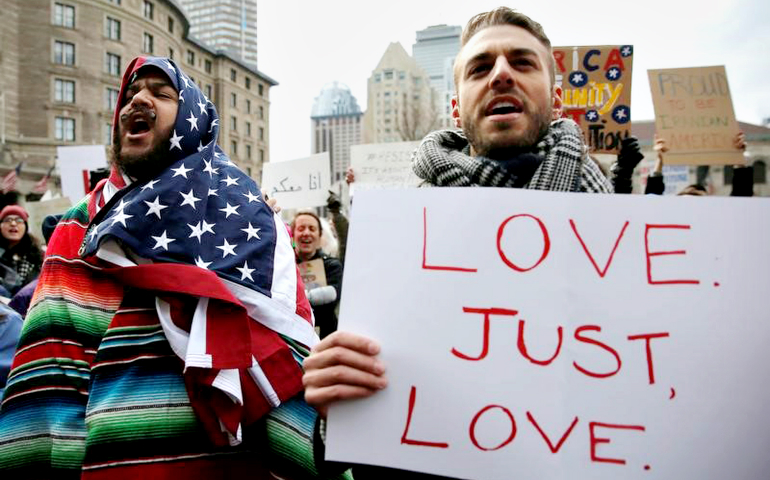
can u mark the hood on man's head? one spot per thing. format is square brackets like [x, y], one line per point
[196, 126]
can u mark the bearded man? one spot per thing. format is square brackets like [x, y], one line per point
[165, 335]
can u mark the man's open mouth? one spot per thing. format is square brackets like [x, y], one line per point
[139, 126]
[504, 107]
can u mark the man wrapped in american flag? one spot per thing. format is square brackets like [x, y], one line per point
[167, 332]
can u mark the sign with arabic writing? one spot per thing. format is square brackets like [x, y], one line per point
[596, 92]
[298, 183]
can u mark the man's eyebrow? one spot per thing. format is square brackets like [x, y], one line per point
[154, 83]
[513, 52]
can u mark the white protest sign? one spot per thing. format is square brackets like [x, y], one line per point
[543, 335]
[383, 165]
[74, 163]
[298, 183]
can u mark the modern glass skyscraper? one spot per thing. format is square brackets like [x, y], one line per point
[336, 125]
[229, 25]
[435, 51]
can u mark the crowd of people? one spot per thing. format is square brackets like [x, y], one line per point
[171, 337]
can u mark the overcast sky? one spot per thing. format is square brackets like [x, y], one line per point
[304, 45]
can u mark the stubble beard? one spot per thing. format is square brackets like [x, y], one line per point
[143, 166]
[540, 121]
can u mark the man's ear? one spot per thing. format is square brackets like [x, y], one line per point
[456, 112]
[556, 112]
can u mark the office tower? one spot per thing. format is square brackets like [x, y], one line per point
[336, 125]
[435, 51]
[229, 25]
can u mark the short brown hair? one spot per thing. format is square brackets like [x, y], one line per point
[508, 16]
[309, 213]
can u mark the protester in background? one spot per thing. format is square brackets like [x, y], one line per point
[10, 329]
[339, 221]
[168, 324]
[307, 231]
[623, 169]
[509, 109]
[19, 251]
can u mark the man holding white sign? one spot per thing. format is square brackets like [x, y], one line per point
[513, 136]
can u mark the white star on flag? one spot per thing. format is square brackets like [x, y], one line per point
[189, 199]
[230, 181]
[208, 227]
[202, 106]
[193, 122]
[93, 233]
[150, 185]
[182, 170]
[154, 207]
[181, 98]
[230, 210]
[201, 264]
[162, 241]
[119, 207]
[214, 123]
[200, 146]
[227, 249]
[251, 197]
[212, 171]
[121, 217]
[196, 231]
[170, 67]
[175, 141]
[245, 271]
[251, 232]
[212, 191]
[186, 82]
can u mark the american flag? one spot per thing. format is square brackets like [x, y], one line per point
[42, 185]
[11, 180]
[208, 234]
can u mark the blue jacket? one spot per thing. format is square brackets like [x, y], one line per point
[10, 330]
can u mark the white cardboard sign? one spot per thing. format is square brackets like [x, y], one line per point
[543, 335]
[383, 165]
[74, 163]
[298, 183]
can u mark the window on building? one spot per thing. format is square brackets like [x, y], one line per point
[191, 57]
[107, 134]
[147, 43]
[233, 124]
[116, 2]
[261, 89]
[170, 53]
[208, 91]
[112, 64]
[233, 75]
[261, 133]
[64, 129]
[388, 74]
[401, 75]
[64, 15]
[111, 98]
[248, 155]
[248, 83]
[170, 24]
[261, 112]
[248, 129]
[64, 91]
[112, 29]
[233, 100]
[377, 78]
[63, 53]
[261, 156]
[760, 172]
[248, 106]
[149, 10]
[207, 66]
[233, 148]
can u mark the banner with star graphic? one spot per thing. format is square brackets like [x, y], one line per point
[596, 92]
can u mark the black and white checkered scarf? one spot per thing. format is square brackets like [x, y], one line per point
[559, 162]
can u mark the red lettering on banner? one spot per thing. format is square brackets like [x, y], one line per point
[546, 242]
[595, 441]
[614, 58]
[409, 441]
[548, 440]
[650, 254]
[558, 57]
[425, 265]
[523, 347]
[647, 337]
[472, 430]
[485, 341]
[603, 271]
[580, 338]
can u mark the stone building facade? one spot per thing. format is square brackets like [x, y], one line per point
[60, 68]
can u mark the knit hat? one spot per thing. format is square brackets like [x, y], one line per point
[14, 210]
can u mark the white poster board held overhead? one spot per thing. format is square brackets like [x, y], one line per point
[542, 335]
[298, 183]
[383, 165]
[74, 163]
